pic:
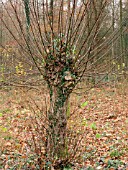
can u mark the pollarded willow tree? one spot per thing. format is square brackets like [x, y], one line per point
[60, 38]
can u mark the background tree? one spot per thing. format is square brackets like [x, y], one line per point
[124, 25]
[121, 31]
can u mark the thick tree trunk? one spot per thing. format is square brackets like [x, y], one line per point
[61, 79]
[56, 141]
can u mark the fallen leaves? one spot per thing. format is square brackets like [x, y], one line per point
[104, 121]
[101, 121]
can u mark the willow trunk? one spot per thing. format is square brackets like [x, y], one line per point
[56, 141]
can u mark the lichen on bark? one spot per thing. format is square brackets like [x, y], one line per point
[60, 77]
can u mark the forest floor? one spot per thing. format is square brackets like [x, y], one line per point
[98, 122]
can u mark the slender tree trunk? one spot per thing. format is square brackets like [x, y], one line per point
[113, 25]
[113, 29]
[27, 12]
[1, 31]
[121, 34]
[1, 25]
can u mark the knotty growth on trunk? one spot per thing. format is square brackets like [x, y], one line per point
[60, 77]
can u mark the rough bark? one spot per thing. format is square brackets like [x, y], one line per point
[60, 77]
[56, 141]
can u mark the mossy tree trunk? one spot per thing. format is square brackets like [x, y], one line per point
[56, 142]
[61, 78]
